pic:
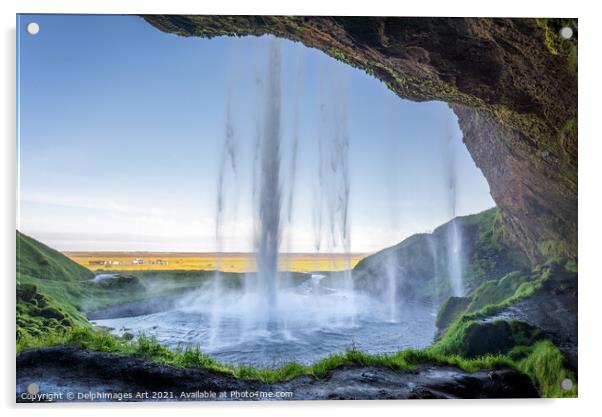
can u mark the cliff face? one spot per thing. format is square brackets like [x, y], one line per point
[512, 83]
[420, 264]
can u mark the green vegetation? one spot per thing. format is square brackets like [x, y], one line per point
[148, 348]
[468, 343]
[38, 260]
[38, 314]
[468, 333]
[571, 266]
[490, 297]
[486, 251]
[541, 361]
[122, 282]
[54, 277]
[493, 292]
[557, 45]
[472, 339]
[449, 310]
[45, 276]
[552, 249]
[544, 363]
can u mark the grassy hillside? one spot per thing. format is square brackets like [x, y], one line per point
[48, 289]
[420, 262]
[54, 293]
[37, 260]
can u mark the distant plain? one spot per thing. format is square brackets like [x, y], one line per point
[227, 262]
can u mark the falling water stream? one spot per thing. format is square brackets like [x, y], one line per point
[269, 191]
[454, 233]
[276, 315]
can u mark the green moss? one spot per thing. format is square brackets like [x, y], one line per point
[473, 339]
[556, 45]
[469, 336]
[545, 365]
[38, 314]
[490, 296]
[450, 310]
[49, 289]
[464, 334]
[553, 249]
[494, 292]
[571, 266]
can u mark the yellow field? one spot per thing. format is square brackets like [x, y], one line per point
[238, 262]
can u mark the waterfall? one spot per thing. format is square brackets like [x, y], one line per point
[391, 293]
[454, 232]
[268, 295]
[227, 160]
[269, 187]
[436, 274]
[333, 181]
[455, 258]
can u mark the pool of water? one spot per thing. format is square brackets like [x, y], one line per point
[311, 322]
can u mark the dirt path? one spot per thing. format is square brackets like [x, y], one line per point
[71, 374]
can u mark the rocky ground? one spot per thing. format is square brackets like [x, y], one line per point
[72, 374]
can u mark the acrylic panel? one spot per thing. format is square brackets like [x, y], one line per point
[295, 208]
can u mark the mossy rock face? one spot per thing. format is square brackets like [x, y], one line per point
[450, 310]
[38, 314]
[493, 292]
[498, 337]
[511, 82]
[420, 263]
[493, 295]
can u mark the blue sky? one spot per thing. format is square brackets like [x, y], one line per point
[122, 126]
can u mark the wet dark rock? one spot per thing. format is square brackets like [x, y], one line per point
[498, 337]
[71, 370]
[67, 369]
[428, 381]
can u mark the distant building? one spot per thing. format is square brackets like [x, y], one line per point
[96, 263]
[138, 261]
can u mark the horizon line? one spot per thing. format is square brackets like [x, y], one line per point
[73, 252]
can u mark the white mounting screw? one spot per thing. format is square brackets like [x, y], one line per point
[33, 28]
